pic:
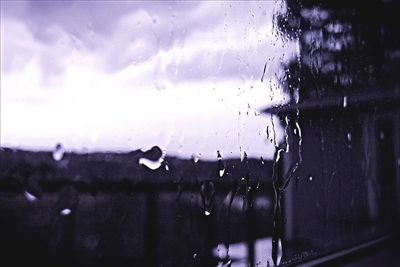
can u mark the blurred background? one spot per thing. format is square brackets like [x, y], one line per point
[199, 133]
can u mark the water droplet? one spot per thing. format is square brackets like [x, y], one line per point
[349, 137]
[166, 167]
[58, 152]
[153, 158]
[279, 252]
[195, 158]
[278, 154]
[226, 263]
[243, 157]
[195, 256]
[286, 134]
[310, 178]
[65, 212]
[153, 165]
[344, 101]
[221, 166]
[207, 192]
[30, 197]
[222, 252]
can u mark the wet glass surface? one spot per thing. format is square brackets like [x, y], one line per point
[197, 134]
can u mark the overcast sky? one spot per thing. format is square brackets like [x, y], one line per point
[120, 76]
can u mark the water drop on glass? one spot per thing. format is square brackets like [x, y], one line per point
[30, 197]
[153, 165]
[65, 212]
[222, 251]
[195, 158]
[310, 178]
[243, 157]
[344, 101]
[153, 158]
[280, 252]
[58, 152]
[221, 166]
[349, 137]
[207, 191]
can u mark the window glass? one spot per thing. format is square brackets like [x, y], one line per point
[197, 133]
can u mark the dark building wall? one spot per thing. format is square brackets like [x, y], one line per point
[346, 190]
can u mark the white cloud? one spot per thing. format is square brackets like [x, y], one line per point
[146, 83]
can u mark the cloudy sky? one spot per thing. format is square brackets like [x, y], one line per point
[119, 76]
